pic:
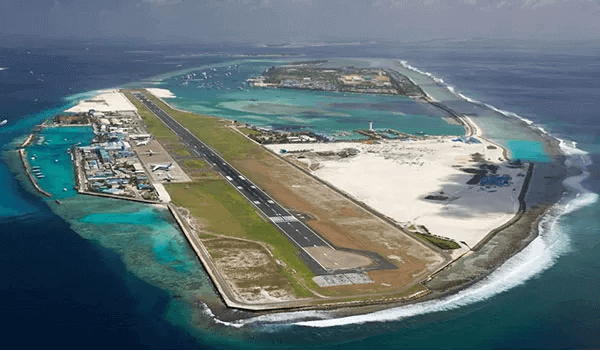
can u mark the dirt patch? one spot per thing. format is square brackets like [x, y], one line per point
[253, 273]
[336, 259]
[340, 220]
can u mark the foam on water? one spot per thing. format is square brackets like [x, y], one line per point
[538, 256]
[453, 90]
[529, 263]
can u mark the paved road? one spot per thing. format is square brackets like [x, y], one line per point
[297, 232]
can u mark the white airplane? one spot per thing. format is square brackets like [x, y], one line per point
[150, 152]
[169, 177]
[161, 167]
[142, 143]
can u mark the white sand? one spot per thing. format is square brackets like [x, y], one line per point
[394, 177]
[107, 101]
[161, 93]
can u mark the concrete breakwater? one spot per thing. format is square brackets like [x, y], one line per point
[37, 187]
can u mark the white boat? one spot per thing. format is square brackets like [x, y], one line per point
[3, 122]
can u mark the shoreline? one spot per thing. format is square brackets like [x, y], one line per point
[529, 216]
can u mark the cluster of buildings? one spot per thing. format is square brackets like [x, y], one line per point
[267, 136]
[109, 164]
[348, 79]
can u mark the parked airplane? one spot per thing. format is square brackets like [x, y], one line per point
[169, 177]
[142, 143]
[156, 167]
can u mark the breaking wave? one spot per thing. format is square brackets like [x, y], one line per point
[553, 241]
[456, 93]
[539, 255]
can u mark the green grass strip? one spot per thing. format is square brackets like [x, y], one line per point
[227, 212]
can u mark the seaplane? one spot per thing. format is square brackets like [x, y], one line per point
[156, 167]
[142, 143]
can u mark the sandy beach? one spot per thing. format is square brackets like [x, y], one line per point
[161, 93]
[107, 101]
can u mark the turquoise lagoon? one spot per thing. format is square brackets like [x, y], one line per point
[223, 93]
[145, 237]
[528, 150]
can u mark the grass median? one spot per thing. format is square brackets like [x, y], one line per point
[214, 132]
[153, 124]
[219, 207]
[224, 211]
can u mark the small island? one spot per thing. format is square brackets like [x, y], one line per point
[291, 220]
[347, 79]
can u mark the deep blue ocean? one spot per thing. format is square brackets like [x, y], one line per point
[70, 279]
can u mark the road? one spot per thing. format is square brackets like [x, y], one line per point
[297, 232]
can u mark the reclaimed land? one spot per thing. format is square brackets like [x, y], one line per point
[505, 243]
[341, 221]
[545, 189]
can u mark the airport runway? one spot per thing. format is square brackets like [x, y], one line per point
[297, 232]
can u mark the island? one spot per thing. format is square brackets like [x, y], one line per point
[291, 220]
[346, 79]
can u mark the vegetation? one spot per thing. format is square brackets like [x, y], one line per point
[181, 151]
[249, 131]
[439, 242]
[222, 209]
[225, 211]
[194, 163]
[214, 132]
